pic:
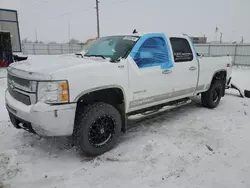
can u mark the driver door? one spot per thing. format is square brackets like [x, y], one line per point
[150, 72]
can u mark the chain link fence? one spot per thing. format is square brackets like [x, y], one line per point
[239, 52]
[50, 49]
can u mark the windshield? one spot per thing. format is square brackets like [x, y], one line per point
[113, 47]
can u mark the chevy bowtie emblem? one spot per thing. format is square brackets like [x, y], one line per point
[12, 84]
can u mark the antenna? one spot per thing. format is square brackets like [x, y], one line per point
[135, 31]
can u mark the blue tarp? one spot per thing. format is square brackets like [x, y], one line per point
[152, 50]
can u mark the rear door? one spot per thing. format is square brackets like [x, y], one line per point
[186, 68]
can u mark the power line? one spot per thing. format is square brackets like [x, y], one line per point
[69, 13]
[97, 14]
[118, 2]
[83, 10]
[86, 9]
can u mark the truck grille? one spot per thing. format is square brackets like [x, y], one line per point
[25, 99]
[18, 81]
[21, 89]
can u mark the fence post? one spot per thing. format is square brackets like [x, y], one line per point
[61, 49]
[34, 51]
[209, 49]
[48, 48]
[235, 53]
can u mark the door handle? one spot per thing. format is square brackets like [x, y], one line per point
[121, 66]
[192, 68]
[166, 72]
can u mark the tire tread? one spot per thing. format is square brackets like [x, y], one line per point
[82, 120]
[206, 97]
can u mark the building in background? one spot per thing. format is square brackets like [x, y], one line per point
[9, 23]
[199, 40]
[5, 49]
[10, 33]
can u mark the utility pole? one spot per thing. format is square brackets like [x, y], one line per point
[69, 34]
[216, 31]
[97, 17]
[220, 38]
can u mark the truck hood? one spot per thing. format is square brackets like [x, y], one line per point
[42, 67]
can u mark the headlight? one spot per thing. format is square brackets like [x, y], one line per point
[53, 92]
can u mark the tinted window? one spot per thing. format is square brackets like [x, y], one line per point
[153, 52]
[181, 50]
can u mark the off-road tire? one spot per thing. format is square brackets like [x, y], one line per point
[85, 119]
[207, 98]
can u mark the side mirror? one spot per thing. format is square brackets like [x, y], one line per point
[199, 55]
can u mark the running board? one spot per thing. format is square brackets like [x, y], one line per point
[165, 106]
[163, 109]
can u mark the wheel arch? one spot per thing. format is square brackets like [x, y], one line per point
[220, 74]
[88, 91]
[111, 94]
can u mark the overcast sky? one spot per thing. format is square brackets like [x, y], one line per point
[193, 17]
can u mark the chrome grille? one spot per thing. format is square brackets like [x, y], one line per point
[25, 99]
[21, 83]
[18, 81]
[21, 89]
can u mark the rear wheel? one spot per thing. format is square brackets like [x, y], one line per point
[212, 97]
[97, 129]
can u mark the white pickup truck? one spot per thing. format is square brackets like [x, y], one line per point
[90, 95]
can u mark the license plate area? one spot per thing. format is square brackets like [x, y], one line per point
[20, 123]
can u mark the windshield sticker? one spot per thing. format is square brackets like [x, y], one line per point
[130, 38]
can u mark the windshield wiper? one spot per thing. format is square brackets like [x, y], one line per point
[115, 60]
[79, 54]
[95, 56]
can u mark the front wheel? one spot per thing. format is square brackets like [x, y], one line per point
[97, 128]
[212, 97]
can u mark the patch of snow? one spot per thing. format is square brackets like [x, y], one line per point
[3, 73]
[167, 149]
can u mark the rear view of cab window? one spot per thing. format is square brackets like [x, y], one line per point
[181, 50]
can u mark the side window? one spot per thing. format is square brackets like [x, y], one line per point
[153, 52]
[181, 50]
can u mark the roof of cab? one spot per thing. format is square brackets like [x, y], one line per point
[144, 33]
